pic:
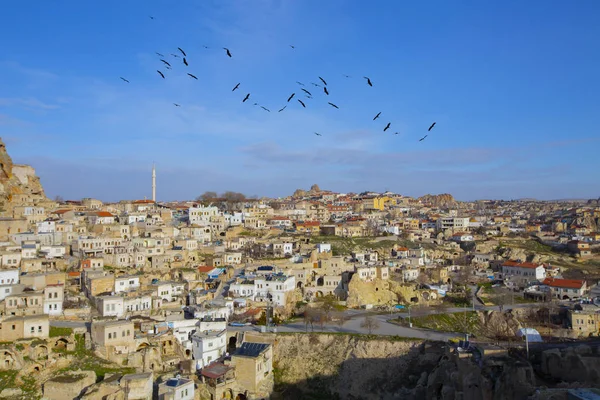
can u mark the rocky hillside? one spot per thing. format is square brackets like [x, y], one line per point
[438, 200]
[325, 366]
[18, 184]
[314, 189]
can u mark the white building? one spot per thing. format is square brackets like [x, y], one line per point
[208, 346]
[243, 288]
[136, 304]
[176, 389]
[53, 251]
[46, 227]
[523, 271]
[324, 247]
[456, 223]
[110, 306]
[275, 287]
[410, 274]
[9, 277]
[127, 283]
[54, 296]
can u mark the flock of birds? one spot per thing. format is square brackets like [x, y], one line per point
[166, 65]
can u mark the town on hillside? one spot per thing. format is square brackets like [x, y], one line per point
[141, 299]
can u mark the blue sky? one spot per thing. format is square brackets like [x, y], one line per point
[513, 86]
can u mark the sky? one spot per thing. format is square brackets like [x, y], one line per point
[512, 86]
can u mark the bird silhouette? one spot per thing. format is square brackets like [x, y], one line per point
[347, 76]
[246, 98]
[301, 102]
[284, 107]
[395, 133]
[192, 76]
[315, 84]
[423, 138]
[185, 61]
[161, 74]
[165, 62]
[175, 55]
[291, 97]
[387, 126]
[293, 47]
[431, 127]
[158, 54]
[236, 86]
[150, 16]
[377, 116]
[182, 52]
[124, 79]
[227, 50]
[308, 97]
[176, 105]
[332, 105]
[300, 83]
[368, 81]
[323, 80]
[265, 108]
[325, 90]
[318, 134]
[307, 92]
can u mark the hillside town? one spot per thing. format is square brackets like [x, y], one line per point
[142, 299]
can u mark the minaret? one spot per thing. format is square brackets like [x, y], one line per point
[153, 183]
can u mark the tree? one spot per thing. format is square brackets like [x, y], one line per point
[207, 196]
[340, 318]
[370, 324]
[230, 196]
[59, 199]
[327, 305]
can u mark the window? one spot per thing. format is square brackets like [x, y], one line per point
[109, 335]
[14, 327]
[40, 329]
[32, 329]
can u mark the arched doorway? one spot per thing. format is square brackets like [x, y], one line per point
[241, 396]
[232, 345]
[299, 285]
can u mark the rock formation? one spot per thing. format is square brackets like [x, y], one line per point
[314, 189]
[438, 200]
[19, 184]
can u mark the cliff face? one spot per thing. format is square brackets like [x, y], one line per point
[438, 200]
[322, 366]
[18, 183]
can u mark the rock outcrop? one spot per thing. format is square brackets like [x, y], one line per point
[314, 189]
[438, 200]
[347, 367]
[19, 185]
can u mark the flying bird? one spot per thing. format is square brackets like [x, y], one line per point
[182, 52]
[192, 76]
[236, 86]
[423, 138]
[318, 134]
[284, 107]
[347, 76]
[265, 108]
[323, 80]
[431, 127]
[227, 50]
[151, 17]
[368, 81]
[293, 47]
[291, 97]
[325, 90]
[396, 133]
[315, 84]
[377, 116]
[175, 55]
[158, 54]
[165, 62]
[246, 98]
[387, 126]
[307, 92]
[161, 74]
[301, 102]
[124, 79]
[185, 61]
[332, 105]
[176, 105]
[300, 83]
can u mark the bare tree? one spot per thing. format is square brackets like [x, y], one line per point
[340, 318]
[233, 196]
[207, 197]
[59, 199]
[370, 324]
